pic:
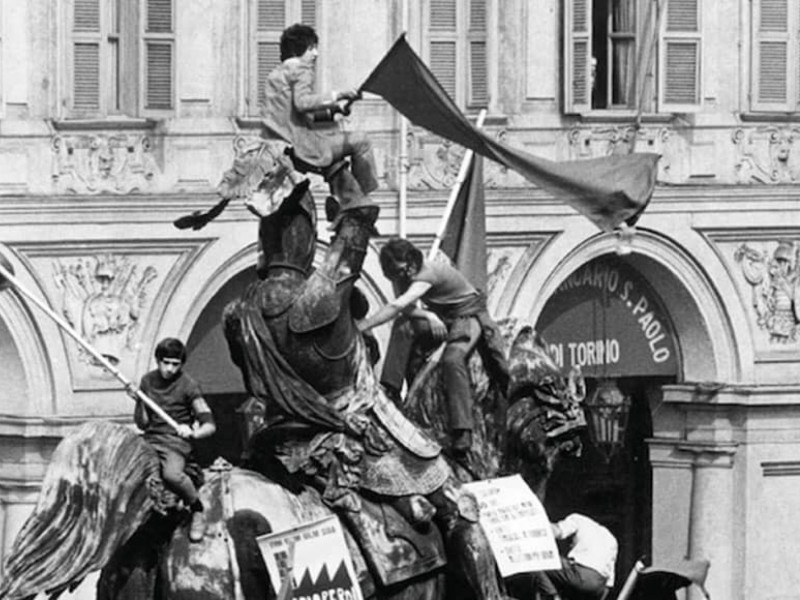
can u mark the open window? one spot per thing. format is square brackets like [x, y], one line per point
[121, 57]
[268, 19]
[775, 55]
[457, 49]
[616, 49]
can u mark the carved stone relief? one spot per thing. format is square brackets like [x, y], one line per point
[764, 154]
[103, 163]
[104, 298]
[773, 273]
[595, 142]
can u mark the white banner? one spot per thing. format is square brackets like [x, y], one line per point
[516, 524]
[316, 557]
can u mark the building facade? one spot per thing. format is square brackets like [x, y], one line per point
[118, 116]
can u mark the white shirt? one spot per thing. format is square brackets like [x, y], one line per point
[593, 545]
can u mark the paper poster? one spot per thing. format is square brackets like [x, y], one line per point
[516, 524]
[317, 556]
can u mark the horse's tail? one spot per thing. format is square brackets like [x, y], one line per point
[93, 498]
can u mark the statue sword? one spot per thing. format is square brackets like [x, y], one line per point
[8, 279]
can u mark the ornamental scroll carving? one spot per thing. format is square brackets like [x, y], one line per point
[104, 298]
[103, 163]
[765, 154]
[774, 277]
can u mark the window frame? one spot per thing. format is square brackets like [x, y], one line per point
[121, 87]
[464, 37]
[653, 37]
[791, 38]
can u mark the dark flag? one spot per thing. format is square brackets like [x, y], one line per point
[608, 190]
[464, 240]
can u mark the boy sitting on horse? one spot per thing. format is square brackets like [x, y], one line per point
[295, 112]
[180, 397]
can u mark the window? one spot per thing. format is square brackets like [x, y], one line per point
[121, 57]
[457, 49]
[776, 55]
[268, 20]
[614, 48]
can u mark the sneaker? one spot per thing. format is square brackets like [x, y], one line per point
[197, 528]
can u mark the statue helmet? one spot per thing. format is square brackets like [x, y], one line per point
[784, 251]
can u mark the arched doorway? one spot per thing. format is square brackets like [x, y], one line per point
[210, 364]
[607, 319]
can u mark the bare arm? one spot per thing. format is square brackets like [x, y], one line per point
[405, 303]
[205, 426]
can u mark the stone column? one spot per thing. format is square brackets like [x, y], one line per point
[711, 513]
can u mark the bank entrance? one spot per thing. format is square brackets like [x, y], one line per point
[606, 319]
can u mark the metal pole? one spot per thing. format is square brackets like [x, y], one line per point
[451, 202]
[402, 208]
[7, 275]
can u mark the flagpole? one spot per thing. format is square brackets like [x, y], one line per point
[451, 202]
[6, 274]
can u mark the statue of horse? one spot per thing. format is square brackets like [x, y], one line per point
[333, 444]
[524, 429]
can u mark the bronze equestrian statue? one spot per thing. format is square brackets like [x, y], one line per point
[332, 443]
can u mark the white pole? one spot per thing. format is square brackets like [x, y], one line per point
[451, 202]
[402, 209]
[7, 275]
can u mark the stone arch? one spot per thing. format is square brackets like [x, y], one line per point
[709, 331]
[28, 386]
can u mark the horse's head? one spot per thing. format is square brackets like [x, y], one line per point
[287, 232]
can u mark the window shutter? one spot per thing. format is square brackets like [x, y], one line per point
[771, 56]
[86, 41]
[578, 56]
[478, 71]
[271, 15]
[308, 12]
[443, 49]
[159, 46]
[680, 57]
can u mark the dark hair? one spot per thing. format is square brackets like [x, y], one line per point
[296, 39]
[171, 348]
[400, 250]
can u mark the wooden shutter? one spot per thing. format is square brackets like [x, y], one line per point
[159, 55]
[86, 65]
[478, 72]
[442, 45]
[270, 19]
[308, 12]
[772, 51]
[680, 57]
[578, 56]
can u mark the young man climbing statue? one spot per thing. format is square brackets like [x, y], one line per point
[180, 397]
[456, 313]
[294, 111]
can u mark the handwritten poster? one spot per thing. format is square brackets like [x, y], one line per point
[316, 557]
[516, 524]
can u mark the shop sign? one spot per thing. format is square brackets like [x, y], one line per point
[606, 319]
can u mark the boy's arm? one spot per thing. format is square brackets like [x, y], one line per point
[405, 302]
[204, 426]
[318, 107]
[140, 415]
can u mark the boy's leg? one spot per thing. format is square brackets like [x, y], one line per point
[172, 470]
[461, 340]
[358, 146]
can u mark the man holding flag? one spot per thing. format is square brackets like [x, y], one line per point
[456, 313]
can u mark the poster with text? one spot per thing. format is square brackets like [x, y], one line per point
[516, 524]
[316, 556]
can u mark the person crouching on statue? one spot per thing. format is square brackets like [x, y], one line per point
[456, 314]
[296, 113]
[181, 398]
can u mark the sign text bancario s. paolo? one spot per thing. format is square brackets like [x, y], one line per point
[606, 319]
